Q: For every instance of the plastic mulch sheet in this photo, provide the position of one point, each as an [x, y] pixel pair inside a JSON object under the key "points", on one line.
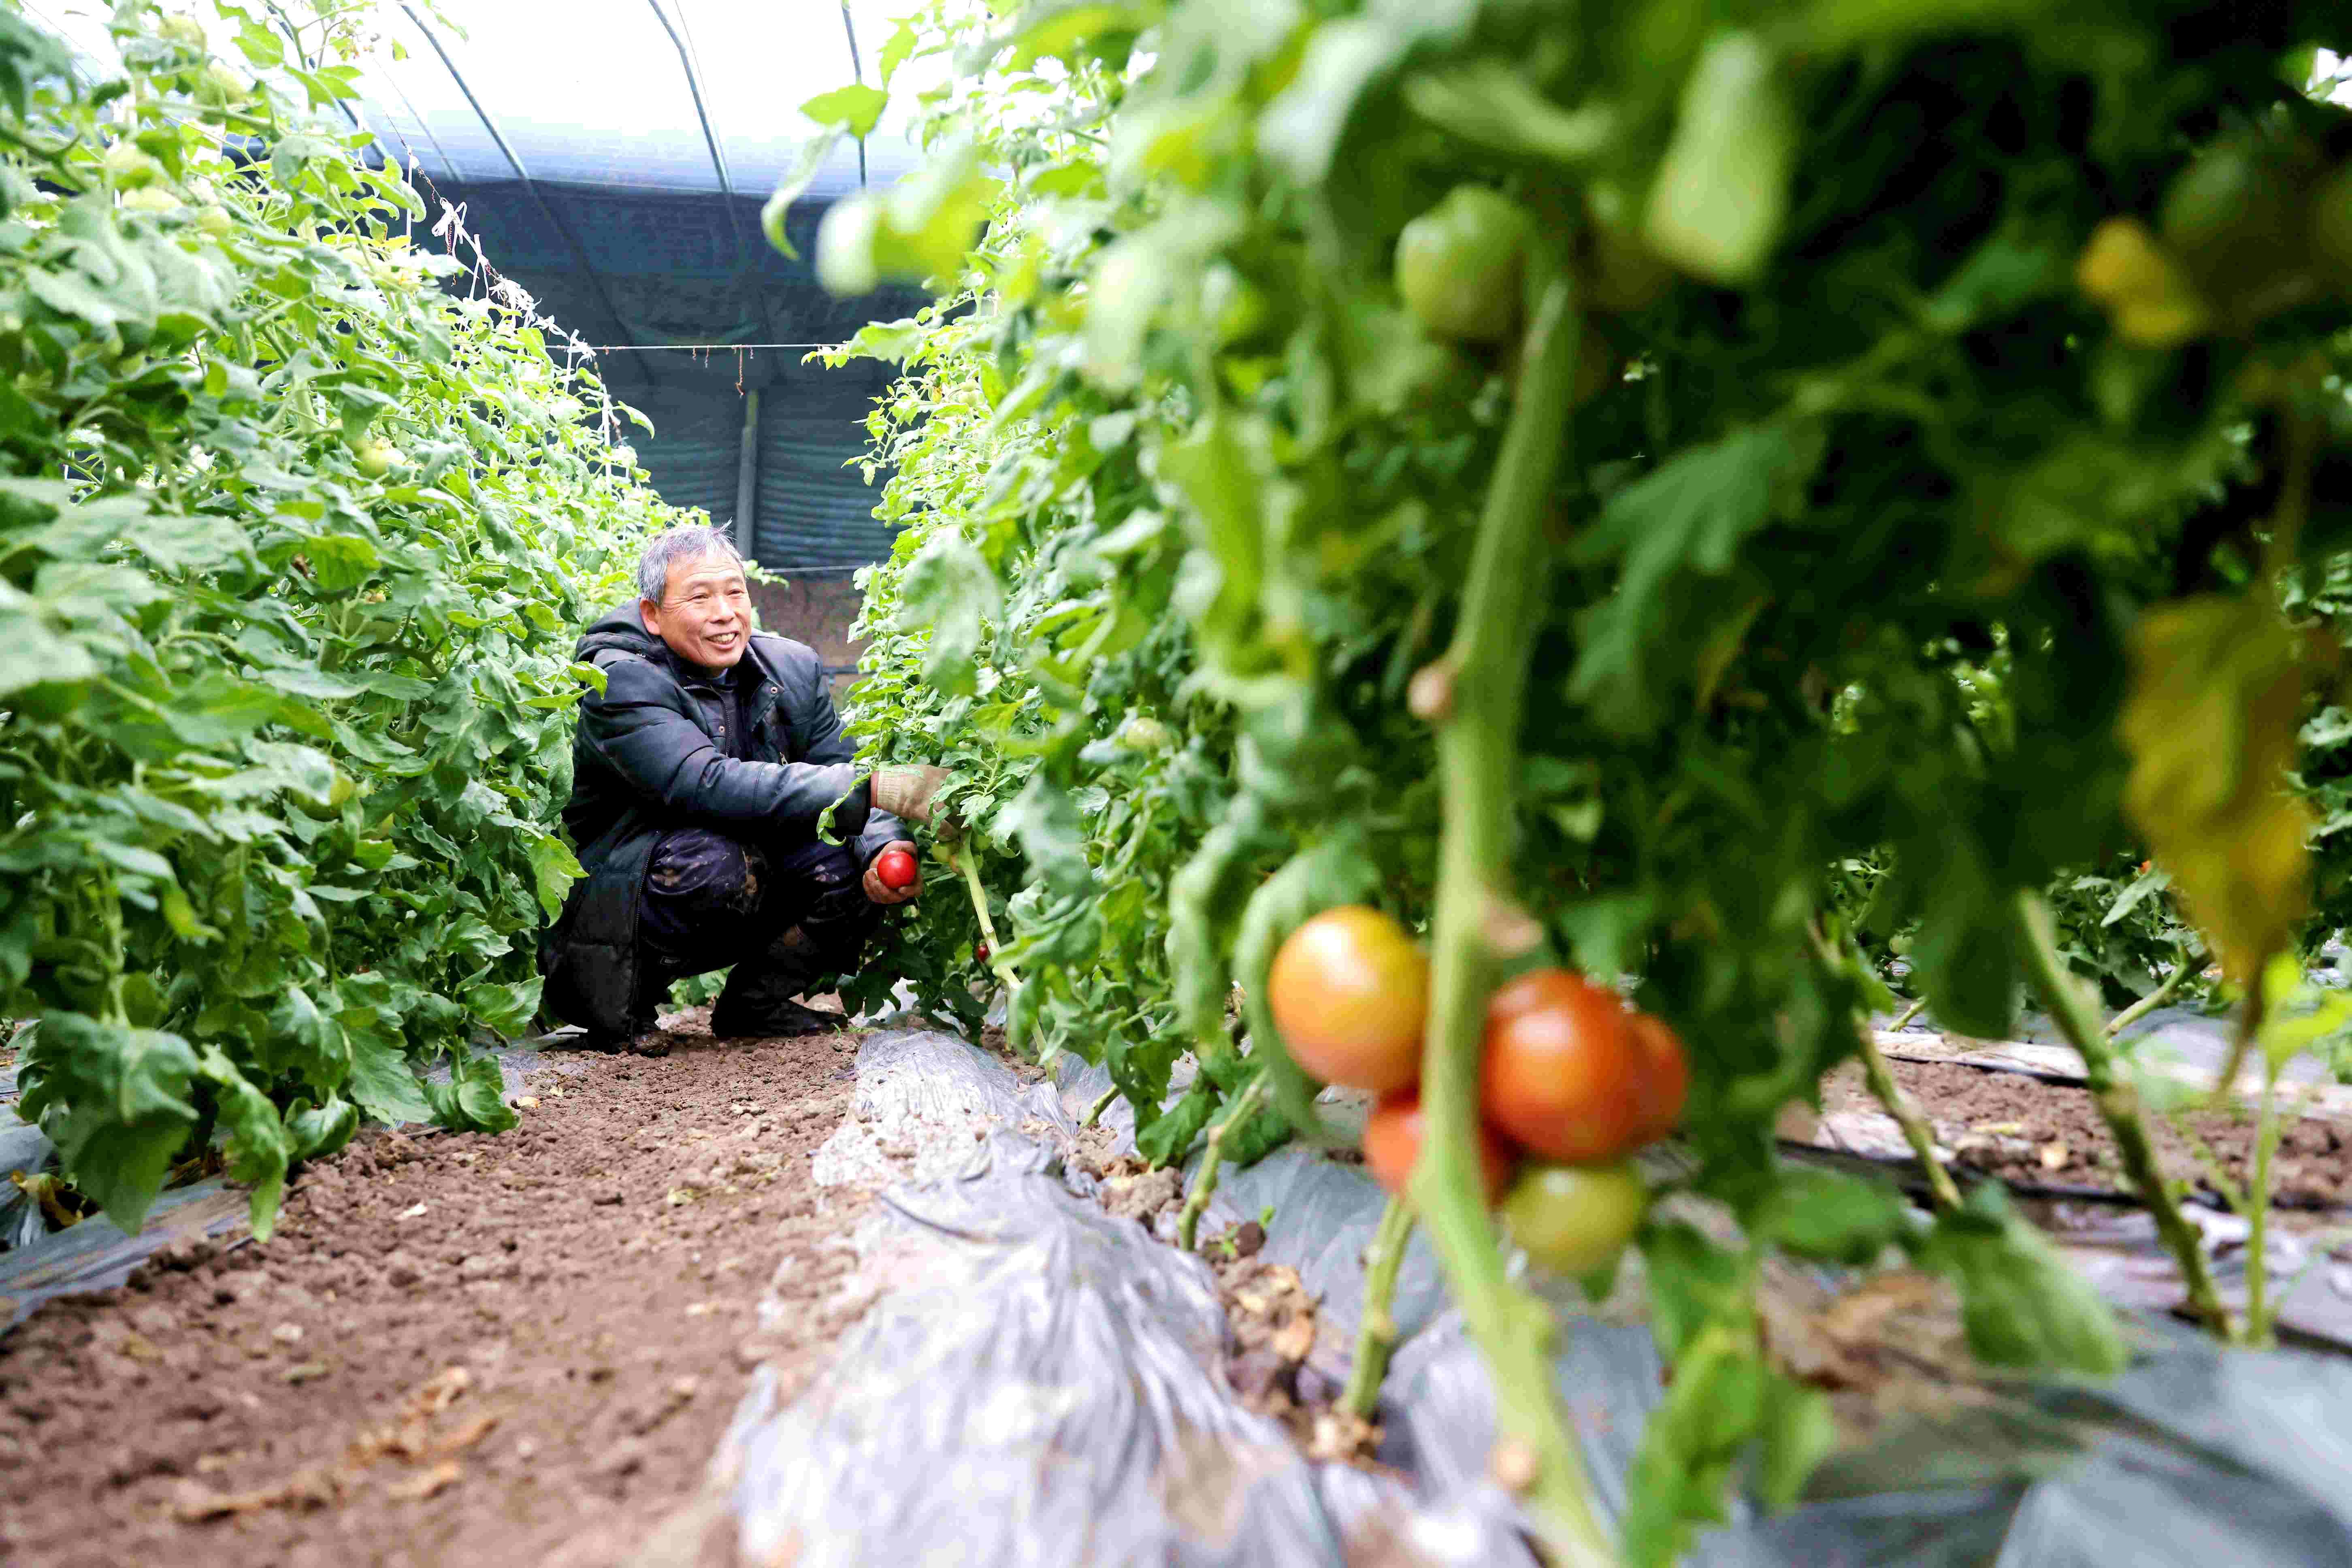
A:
{"points": [[1039, 1381], [97, 1256]]}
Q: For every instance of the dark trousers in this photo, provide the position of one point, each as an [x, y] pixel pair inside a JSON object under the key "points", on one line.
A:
{"points": [[785, 917]]}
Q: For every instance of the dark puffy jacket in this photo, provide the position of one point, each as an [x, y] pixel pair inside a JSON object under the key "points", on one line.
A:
{"points": [[648, 758]]}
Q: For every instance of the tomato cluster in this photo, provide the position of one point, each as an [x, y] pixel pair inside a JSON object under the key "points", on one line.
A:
{"points": [[1571, 1081]]}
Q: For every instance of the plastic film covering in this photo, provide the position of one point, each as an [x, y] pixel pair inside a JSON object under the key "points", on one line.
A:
{"points": [[1039, 1382]]}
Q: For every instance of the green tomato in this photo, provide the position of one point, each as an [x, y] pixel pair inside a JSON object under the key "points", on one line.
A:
{"points": [[374, 458], [1575, 1219], [338, 794], [131, 168], [216, 222], [185, 31], [1144, 734], [1459, 266], [220, 87]]}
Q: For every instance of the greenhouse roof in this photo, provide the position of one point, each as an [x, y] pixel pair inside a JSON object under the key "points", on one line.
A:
{"points": [[685, 96], [611, 157]]}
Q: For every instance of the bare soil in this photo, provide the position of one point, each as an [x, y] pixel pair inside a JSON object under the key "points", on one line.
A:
{"points": [[2031, 1131], [458, 1347]]}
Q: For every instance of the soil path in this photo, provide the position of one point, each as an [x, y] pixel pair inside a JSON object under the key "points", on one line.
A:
{"points": [[515, 1349], [2027, 1131]]}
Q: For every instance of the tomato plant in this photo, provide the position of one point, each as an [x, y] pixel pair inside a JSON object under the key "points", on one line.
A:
{"points": [[1934, 544], [297, 527]]}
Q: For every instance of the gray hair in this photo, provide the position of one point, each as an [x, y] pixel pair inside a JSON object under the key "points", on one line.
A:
{"points": [[687, 541]]}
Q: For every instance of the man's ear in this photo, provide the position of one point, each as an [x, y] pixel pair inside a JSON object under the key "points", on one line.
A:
{"points": [[650, 613]]}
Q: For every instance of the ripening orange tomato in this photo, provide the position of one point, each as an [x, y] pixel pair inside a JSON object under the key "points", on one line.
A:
{"points": [[1349, 989]]}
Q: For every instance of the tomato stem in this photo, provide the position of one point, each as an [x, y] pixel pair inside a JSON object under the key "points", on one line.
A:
{"points": [[2119, 1105], [1483, 679], [1376, 1335], [1205, 1185], [1095, 1115], [2193, 960], [1915, 1131], [969, 866]]}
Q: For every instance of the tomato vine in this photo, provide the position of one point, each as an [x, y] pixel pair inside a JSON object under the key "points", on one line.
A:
{"points": [[299, 516], [1872, 514]]}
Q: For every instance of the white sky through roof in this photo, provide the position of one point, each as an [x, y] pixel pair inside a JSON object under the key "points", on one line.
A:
{"points": [[593, 91]]}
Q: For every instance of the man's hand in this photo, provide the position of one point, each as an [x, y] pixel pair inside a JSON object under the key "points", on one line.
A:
{"points": [[905, 792], [882, 892]]}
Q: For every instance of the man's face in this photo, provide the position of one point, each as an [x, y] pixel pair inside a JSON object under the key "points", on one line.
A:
{"points": [[705, 613]]}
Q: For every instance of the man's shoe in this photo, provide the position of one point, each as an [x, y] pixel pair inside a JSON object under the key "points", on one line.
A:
{"points": [[649, 1041], [779, 1020]]}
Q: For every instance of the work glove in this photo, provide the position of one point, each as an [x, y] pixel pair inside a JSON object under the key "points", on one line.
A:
{"points": [[907, 792]]}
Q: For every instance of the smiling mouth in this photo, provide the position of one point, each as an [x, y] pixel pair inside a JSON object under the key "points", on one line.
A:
{"points": [[724, 639]]}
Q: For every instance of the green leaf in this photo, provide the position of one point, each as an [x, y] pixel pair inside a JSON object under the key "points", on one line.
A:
{"points": [[384, 1083], [919, 229], [2022, 1303], [895, 50], [259, 1144], [505, 1010], [554, 870], [1839, 1219], [472, 1101], [115, 1101], [949, 588], [1168, 1137], [1689, 516], [855, 108]]}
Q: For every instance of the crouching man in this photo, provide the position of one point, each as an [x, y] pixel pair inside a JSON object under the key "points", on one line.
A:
{"points": [[700, 777]]}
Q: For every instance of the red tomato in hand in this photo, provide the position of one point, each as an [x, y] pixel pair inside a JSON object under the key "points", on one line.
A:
{"points": [[1665, 1077], [1562, 1075], [1348, 991], [896, 867], [1393, 1135]]}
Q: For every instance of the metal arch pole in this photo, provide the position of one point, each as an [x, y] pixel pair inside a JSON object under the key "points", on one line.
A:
{"points": [[857, 73], [747, 477], [531, 186], [718, 163]]}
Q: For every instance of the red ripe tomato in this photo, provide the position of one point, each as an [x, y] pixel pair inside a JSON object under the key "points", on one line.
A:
{"points": [[1348, 991], [1665, 1077], [896, 867], [1563, 1075], [980, 952], [1393, 1135]]}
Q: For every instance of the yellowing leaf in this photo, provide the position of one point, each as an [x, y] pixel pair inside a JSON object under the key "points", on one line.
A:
{"points": [[2210, 722]]}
